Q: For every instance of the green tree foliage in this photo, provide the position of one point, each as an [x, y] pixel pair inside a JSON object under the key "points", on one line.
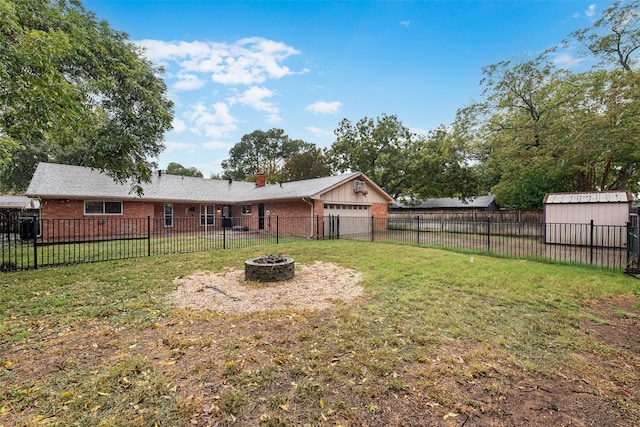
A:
{"points": [[513, 131], [615, 36], [73, 90], [308, 164], [440, 166], [403, 163], [262, 151], [541, 129], [378, 148], [174, 168]]}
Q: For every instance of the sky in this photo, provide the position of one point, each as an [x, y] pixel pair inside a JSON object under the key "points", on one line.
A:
{"points": [[233, 67]]}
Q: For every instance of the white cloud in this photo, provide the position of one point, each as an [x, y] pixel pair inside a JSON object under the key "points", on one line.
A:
{"points": [[566, 60], [591, 11], [178, 125], [254, 97], [159, 51], [319, 132], [405, 23], [247, 61], [322, 107], [187, 82], [171, 146], [273, 119], [216, 124], [216, 145], [419, 131]]}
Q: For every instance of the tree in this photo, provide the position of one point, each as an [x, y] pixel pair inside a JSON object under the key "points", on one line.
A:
{"points": [[309, 164], [73, 90], [262, 151], [174, 168], [615, 36], [377, 148], [440, 167], [519, 129]]}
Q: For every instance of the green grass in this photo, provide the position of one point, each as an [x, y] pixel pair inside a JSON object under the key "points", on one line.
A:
{"points": [[417, 301]]}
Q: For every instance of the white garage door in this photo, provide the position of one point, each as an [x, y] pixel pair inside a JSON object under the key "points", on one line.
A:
{"points": [[353, 218]]}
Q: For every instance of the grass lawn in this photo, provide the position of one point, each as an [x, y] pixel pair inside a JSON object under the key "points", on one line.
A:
{"points": [[437, 338]]}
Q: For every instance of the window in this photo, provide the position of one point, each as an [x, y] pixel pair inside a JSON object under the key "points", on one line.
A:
{"points": [[246, 209], [207, 215], [168, 215], [93, 207]]}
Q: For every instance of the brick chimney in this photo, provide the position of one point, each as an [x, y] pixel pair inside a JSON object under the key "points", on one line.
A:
{"points": [[260, 179]]}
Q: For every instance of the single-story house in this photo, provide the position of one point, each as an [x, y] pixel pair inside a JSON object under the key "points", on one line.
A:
{"points": [[448, 204], [183, 203]]}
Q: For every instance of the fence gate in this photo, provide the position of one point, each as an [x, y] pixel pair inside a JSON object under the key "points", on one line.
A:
{"points": [[633, 246], [332, 227]]}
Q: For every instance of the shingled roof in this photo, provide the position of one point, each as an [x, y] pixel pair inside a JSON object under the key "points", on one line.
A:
{"points": [[76, 182], [478, 202]]}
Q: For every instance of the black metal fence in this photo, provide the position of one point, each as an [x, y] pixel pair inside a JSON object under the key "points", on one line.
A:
{"points": [[30, 242]]}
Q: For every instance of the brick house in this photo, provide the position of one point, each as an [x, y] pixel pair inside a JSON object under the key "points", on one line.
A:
{"points": [[181, 204]]}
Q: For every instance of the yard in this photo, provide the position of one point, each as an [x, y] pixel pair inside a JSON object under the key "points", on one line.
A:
{"points": [[366, 334]]}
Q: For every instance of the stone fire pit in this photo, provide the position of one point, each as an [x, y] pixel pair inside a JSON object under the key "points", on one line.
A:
{"points": [[272, 268]]}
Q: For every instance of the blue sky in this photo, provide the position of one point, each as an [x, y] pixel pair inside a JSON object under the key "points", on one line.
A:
{"points": [[238, 66]]}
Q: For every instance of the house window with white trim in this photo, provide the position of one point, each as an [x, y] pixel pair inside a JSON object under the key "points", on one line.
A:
{"points": [[207, 215], [98, 207], [168, 215], [246, 209]]}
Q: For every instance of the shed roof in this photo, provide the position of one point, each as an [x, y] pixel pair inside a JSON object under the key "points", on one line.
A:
{"points": [[52, 180], [588, 197], [18, 202]]}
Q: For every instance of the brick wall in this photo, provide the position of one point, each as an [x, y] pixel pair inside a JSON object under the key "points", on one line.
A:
{"points": [[65, 220], [380, 211], [295, 218]]}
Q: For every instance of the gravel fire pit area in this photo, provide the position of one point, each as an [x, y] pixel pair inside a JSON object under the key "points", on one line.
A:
{"points": [[314, 286]]}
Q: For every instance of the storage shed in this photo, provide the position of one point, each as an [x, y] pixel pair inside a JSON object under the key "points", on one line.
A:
{"points": [[585, 218]]}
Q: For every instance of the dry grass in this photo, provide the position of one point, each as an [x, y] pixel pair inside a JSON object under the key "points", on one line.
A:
{"points": [[435, 339]]}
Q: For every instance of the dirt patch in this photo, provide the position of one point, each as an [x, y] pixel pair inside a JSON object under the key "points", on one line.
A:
{"points": [[615, 323], [314, 286], [264, 344]]}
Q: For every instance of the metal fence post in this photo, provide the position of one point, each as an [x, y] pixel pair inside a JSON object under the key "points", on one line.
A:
{"points": [[373, 228], [317, 227], [488, 234], [35, 242], [418, 230], [148, 235], [591, 242], [277, 229], [224, 233]]}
